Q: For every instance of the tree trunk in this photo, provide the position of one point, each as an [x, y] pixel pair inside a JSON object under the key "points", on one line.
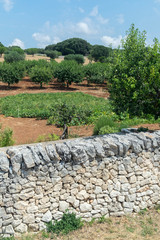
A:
{"points": [[65, 132]]}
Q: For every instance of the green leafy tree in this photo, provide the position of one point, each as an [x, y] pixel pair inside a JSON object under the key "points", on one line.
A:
{"points": [[10, 73], [31, 51], [99, 51], [77, 57], [96, 72], [135, 83], [40, 75], [71, 46], [68, 72], [13, 56], [2, 50], [52, 54]]}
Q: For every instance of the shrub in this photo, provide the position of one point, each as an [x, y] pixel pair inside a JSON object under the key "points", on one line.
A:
{"points": [[104, 123], [6, 137], [76, 57], [13, 56], [68, 223]]}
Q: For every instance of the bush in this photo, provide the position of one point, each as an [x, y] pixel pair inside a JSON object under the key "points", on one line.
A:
{"points": [[6, 137], [104, 125], [95, 72], [52, 54], [76, 57], [13, 56], [68, 223]]}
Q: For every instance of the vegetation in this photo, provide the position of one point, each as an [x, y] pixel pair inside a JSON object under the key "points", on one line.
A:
{"points": [[40, 75], [68, 71], [71, 46], [99, 51], [135, 81], [6, 137], [68, 223], [42, 106], [11, 73], [76, 57]]}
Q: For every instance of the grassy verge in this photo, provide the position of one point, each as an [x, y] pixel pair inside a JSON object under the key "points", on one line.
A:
{"points": [[141, 226]]}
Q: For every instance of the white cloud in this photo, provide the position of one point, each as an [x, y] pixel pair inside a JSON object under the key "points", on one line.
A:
{"points": [[7, 4], [17, 42], [82, 27], [120, 19], [56, 40], [115, 42], [94, 11], [42, 39]]}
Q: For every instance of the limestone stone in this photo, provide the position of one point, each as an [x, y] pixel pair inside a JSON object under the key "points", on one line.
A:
{"points": [[4, 162], [63, 206], [85, 207], [22, 228], [47, 217]]}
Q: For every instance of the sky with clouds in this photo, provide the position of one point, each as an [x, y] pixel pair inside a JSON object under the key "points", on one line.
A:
{"points": [[38, 23]]}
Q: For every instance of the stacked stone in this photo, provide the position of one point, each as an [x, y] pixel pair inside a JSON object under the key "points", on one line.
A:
{"points": [[106, 175]]}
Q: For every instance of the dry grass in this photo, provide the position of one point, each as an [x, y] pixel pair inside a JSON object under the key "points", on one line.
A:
{"points": [[141, 226]]}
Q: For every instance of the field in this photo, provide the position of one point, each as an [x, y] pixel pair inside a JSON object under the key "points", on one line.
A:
{"points": [[27, 130]]}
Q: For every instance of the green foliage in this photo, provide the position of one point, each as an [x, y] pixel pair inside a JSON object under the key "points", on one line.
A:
{"points": [[40, 75], [6, 137], [29, 64], [39, 105], [13, 56], [135, 83], [68, 223], [52, 54], [99, 51], [96, 72], [47, 138], [31, 51], [11, 73], [105, 125], [2, 50], [71, 46], [76, 57], [68, 72], [66, 114]]}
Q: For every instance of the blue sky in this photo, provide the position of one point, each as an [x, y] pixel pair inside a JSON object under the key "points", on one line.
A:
{"points": [[37, 23]]}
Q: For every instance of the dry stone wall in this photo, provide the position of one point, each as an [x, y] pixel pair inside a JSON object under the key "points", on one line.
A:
{"points": [[106, 175]]}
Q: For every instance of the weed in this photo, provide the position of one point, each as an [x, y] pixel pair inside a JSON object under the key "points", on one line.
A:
{"points": [[6, 137], [92, 221], [150, 221], [49, 137], [102, 219], [130, 229], [68, 223], [45, 234], [147, 230], [157, 207], [143, 211]]}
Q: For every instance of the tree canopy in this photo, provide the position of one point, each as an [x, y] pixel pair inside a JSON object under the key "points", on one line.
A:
{"points": [[135, 82], [71, 46]]}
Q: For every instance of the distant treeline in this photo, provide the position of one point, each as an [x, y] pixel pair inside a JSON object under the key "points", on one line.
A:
{"points": [[66, 47]]}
